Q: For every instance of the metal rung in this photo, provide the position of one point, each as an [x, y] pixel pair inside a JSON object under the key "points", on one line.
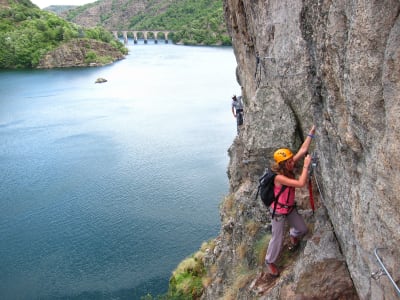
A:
{"points": [[378, 274]]}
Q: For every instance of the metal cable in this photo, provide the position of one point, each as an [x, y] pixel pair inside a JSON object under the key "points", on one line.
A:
{"points": [[385, 270]]}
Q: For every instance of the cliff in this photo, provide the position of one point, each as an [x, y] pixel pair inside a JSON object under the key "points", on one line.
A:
{"points": [[335, 64]]}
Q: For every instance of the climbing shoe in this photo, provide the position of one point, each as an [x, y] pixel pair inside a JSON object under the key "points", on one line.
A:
{"points": [[294, 244], [272, 270]]}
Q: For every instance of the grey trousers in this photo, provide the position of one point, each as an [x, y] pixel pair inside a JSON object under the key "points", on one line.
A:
{"points": [[297, 228]]}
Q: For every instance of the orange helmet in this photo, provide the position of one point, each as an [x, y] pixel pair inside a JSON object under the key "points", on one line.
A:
{"points": [[282, 155]]}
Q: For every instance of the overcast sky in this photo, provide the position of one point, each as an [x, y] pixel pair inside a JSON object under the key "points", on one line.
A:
{"points": [[45, 3]]}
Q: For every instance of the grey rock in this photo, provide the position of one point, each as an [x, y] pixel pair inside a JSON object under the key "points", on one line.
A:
{"points": [[335, 64]]}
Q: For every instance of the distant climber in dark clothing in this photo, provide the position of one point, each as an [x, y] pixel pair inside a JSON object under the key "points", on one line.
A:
{"points": [[257, 73], [237, 110]]}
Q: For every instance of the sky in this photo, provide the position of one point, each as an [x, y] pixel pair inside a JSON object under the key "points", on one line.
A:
{"points": [[45, 3]]}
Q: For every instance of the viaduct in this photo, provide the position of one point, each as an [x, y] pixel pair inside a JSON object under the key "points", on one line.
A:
{"points": [[144, 33]]}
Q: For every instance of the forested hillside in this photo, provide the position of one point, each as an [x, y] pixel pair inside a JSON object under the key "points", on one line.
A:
{"points": [[28, 33], [193, 22]]}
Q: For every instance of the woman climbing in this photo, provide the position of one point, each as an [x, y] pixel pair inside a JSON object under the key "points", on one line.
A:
{"points": [[285, 208]]}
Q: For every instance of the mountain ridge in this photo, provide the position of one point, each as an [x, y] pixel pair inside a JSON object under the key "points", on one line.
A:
{"points": [[193, 23]]}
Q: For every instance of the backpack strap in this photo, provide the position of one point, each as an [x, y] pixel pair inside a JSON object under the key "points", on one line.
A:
{"points": [[283, 188]]}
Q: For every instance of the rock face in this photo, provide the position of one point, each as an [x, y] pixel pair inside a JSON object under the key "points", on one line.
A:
{"points": [[76, 53], [335, 64]]}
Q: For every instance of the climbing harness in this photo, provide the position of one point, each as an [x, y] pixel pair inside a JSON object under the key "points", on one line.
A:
{"points": [[383, 271]]}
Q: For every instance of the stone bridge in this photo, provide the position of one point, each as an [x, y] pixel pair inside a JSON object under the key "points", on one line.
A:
{"points": [[144, 33]]}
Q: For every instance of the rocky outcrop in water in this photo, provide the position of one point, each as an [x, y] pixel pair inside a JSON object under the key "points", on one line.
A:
{"points": [[335, 64], [80, 53], [100, 80]]}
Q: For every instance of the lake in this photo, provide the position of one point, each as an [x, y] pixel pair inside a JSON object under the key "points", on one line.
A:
{"points": [[106, 187]]}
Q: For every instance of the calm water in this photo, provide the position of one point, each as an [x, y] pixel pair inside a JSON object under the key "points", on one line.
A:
{"points": [[105, 188]]}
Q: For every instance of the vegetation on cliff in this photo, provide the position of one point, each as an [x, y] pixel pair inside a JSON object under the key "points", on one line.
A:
{"points": [[28, 33], [189, 278]]}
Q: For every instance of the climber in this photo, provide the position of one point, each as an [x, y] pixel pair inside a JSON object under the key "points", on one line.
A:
{"points": [[286, 208], [237, 110], [257, 74]]}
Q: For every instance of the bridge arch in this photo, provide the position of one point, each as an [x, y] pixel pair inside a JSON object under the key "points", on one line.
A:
{"points": [[144, 33]]}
